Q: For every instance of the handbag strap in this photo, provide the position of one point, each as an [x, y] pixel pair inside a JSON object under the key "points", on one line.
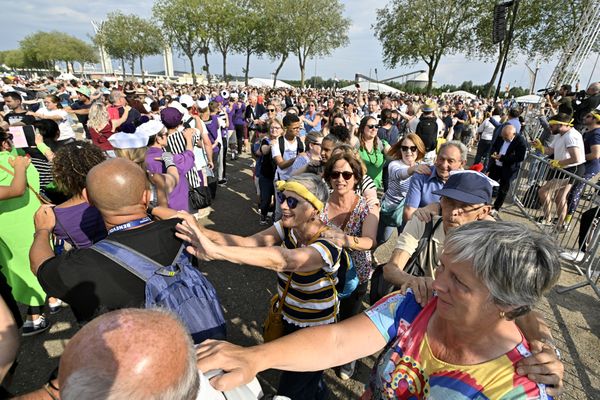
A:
{"points": [[67, 232], [39, 197]]}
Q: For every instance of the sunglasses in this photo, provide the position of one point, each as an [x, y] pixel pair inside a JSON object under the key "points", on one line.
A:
{"points": [[271, 110], [411, 148], [345, 174], [372, 126], [292, 202]]}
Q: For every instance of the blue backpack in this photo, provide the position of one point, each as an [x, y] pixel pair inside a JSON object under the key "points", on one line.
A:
{"points": [[178, 287]]}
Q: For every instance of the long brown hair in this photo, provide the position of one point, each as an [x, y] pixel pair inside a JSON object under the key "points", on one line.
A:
{"points": [[396, 150], [361, 131]]}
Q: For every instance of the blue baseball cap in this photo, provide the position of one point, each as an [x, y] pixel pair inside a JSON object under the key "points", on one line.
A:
{"points": [[470, 187]]}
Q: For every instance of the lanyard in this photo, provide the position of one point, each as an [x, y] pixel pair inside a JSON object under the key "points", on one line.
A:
{"points": [[131, 224]]}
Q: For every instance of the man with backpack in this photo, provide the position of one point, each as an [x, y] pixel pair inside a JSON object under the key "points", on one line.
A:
{"points": [[285, 150], [428, 128], [140, 264]]}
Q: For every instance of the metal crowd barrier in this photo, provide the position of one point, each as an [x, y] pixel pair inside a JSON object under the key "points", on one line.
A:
{"points": [[580, 252]]}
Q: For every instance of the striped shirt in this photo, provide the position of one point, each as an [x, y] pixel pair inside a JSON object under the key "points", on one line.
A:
{"points": [[176, 145], [311, 298]]}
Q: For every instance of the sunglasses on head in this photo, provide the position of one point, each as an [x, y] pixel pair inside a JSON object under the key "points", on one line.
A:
{"points": [[411, 148], [372, 126], [345, 174], [292, 202]]}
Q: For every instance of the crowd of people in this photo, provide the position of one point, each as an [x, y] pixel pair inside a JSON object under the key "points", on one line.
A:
{"points": [[112, 219]]}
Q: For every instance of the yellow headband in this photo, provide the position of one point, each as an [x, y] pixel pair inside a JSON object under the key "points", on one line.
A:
{"points": [[555, 122], [299, 189], [596, 115]]}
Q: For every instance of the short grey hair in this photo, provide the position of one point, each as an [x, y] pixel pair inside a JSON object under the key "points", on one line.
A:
{"points": [[99, 384], [114, 96], [464, 152], [333, 139], [314, 184], [516, 264]]}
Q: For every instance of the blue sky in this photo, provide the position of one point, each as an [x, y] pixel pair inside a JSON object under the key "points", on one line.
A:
{"points": [[362, 55]]}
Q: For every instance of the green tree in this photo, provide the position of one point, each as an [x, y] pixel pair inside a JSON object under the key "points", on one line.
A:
{"points": [[114, 35], [252, 28], [423, 30], [277, 41], [147, 42], [541, 30], [184, 23], [317, 28], [13, 58], [223, 27]]}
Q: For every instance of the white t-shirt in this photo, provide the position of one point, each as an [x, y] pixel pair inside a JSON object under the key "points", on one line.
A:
{"points": [[290, 150], [570, 139], [66, 131], [486, 129]]}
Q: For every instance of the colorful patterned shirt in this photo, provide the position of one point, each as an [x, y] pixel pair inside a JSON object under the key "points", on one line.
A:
{"points": [[407, 368]]}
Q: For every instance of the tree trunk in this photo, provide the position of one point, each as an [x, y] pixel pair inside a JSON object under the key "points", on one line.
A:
{"points": [[496, 69], [430, 75], [191, 58], [279, 69], [142, 69], [247, 70], [205, 52], [132, 65], [302, 65], [123, 69], [224, 53]]}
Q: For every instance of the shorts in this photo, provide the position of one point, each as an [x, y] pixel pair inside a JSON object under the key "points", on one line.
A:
{"points": [[578, 170]]}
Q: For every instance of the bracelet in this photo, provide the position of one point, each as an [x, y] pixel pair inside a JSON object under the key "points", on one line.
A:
{"points": [[552, 344], [41, 230], [47, 389]]}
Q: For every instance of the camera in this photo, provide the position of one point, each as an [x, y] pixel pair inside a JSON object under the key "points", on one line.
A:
{"points": [[581, 95], [547, 92]]}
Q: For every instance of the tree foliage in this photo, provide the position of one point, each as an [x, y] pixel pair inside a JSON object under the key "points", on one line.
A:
{"points": [[44, 49], [424, 30], [223, 27], [185, 25], [253, 29]]}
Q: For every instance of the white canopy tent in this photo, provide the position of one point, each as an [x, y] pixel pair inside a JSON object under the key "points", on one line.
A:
{"points": [[460, 93], [529, 99], [366, 85], [66, 76], [264, 82]]}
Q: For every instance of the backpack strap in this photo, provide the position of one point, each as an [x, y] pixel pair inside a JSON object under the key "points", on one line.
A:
{"points": [[281, 143], [135, 262], [299, 146]]}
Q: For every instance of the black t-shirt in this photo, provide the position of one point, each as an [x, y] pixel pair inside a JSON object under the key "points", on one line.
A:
{"points": [[13, 118], [267, 167], [93, 284], [80, 105]]}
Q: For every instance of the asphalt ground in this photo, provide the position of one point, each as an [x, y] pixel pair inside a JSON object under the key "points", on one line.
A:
{"points": [[245, 292]]}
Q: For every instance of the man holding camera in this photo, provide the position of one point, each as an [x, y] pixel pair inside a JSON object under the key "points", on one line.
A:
{"points": [[564, 104], [589, 103]]}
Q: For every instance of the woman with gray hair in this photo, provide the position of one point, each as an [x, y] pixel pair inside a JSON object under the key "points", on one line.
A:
{"points": [[462, 344], [306, 264]]}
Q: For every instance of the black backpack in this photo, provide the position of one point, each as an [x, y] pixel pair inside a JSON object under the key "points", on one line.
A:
{"points": [[427, 130], [380, 287], [281, 143]]}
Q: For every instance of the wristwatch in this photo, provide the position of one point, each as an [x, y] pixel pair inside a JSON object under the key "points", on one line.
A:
{"points": [[550, 342]]}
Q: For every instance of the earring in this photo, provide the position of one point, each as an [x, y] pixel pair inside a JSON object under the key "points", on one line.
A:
{"points": [[502, 314]]}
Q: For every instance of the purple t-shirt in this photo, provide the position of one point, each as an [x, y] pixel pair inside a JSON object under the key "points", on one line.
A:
{"points": [[81, 225], [178, 198], [239, 109]]}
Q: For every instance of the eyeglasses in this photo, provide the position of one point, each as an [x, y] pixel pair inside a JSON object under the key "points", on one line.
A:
{"points": [[311, 105], [315, 143], [270, 109], [292, 202], [407, 148], [345, 174], [372, 126]]}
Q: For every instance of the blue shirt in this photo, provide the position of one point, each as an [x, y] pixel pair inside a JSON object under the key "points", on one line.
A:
{"points": [[420, 191]]}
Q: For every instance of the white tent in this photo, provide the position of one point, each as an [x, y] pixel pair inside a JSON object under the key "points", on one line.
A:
{"points": [[263, 82], [366, 85], [66, 76], [460, 93], [529, 99]]}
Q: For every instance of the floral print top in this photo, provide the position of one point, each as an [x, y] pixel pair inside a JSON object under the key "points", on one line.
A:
{"points": [[360, 258]]}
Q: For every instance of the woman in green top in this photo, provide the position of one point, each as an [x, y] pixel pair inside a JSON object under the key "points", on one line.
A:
{"points": [[16, 237], [372, 149]]}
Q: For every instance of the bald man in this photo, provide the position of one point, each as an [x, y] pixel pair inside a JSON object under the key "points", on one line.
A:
{"points": [[133, 354], [90, 282], [507, 153]]}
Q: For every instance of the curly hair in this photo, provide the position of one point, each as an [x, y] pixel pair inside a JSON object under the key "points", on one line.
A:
{"points": [[71, 164]]}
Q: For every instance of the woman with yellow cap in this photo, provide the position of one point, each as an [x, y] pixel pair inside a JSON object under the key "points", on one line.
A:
{"points": [[306, 265]]}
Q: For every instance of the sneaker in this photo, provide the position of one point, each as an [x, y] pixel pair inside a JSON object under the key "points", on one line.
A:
{"points": [[222, 182], [575, 256], [31, 328], [494, 213], [347, 370], [263, 220], [55, 308], [543, 221]]}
